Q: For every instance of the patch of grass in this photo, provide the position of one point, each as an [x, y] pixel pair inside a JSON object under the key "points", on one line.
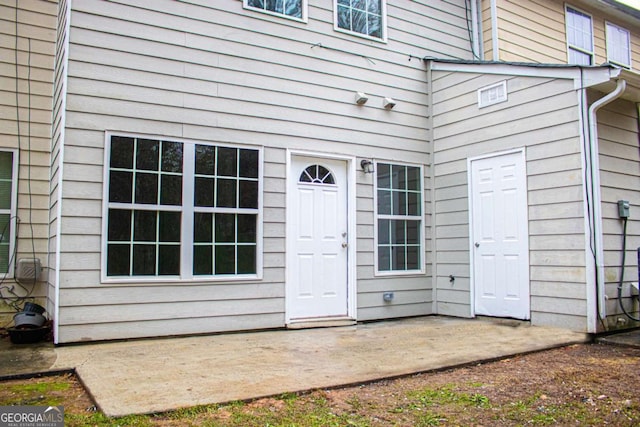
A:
{"points": [[39, 387], [97, 419], [355, 403], [475, 384], [428, 419], [190, 413], [427, 406], [446, 395], [40, 393]]}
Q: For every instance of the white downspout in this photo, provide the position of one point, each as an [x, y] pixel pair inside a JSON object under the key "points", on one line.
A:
{"points": [[432, 189], [596, 201], [494, 31]]}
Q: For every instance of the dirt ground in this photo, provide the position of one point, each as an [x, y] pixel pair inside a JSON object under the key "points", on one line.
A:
{"points": [[577, 385]]}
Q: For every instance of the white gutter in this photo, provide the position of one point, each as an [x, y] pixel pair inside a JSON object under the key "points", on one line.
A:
{"points": [[432, 189], [596, 201], [494, 31]]}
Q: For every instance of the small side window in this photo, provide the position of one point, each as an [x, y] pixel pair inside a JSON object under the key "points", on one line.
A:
{"points": [[579, 37], [8, 192], [293, 9], [618, 46], [366, 18]]}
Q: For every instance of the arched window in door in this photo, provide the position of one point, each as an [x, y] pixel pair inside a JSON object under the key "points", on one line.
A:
{"points": [[317, 174]]}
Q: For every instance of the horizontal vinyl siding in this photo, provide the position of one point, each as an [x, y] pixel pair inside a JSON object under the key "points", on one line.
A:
{"points": [[619, 180], [486, 28], [532, 31], [28, 34], [535, 31], [540, 115], [208, 71]]}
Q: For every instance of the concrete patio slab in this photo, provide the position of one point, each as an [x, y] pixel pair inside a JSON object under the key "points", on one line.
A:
{"points": [[163, 374], [629, 338]]}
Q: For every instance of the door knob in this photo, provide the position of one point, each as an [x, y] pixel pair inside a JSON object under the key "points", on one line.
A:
{"points": [[345, 244], [477, 245]]}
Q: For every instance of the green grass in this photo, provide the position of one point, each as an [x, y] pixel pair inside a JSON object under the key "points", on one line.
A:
{"points": [[447, 395], [36, 394], [459, 403], [426, 407]]}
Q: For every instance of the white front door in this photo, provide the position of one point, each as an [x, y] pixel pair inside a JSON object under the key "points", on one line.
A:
{"points": [[500, 236], [317, 262]]}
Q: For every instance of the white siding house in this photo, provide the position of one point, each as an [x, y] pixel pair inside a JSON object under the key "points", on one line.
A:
{"points": [[278, 89], [223, 166], [554, 239]]}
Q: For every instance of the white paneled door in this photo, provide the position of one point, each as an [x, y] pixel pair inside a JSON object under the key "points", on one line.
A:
{"points": [[317, 262], [500, 236]]}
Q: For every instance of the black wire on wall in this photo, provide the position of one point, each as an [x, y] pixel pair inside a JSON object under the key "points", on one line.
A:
{"points": [[14, 299]]}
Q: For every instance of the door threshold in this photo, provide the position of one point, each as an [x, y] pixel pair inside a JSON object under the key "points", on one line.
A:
{"points": [[320, 323]]}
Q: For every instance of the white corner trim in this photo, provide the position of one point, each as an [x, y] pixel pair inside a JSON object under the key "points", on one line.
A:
{"points": [[63, 120], [495, 46]]}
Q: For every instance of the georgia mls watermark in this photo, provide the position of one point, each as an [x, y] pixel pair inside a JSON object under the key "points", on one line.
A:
{"points": [[31, 416]]}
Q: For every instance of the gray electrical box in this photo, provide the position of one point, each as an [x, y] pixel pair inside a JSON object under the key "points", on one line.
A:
{"points": [[28, 270], [623, 208]]}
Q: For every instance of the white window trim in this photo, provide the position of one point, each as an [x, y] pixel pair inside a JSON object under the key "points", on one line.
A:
{"points": [[13, 215], [387, 273], [576, 48], [383, 10], [305, 8], [186, 251], [498, 100], [608, 24]]}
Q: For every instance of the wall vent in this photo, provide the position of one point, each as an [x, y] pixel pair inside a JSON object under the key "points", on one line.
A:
{"points": [[493, 94], [28, 269]]}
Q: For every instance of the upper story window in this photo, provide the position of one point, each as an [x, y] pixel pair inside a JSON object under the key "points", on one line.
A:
{"points": [[295, 9], [362, 17], [399, 219], [618, 45], [181, 210], [579, 37]]}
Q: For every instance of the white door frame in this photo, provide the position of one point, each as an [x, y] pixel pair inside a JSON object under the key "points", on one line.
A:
{"points": [[351, 228], [472, 287]]}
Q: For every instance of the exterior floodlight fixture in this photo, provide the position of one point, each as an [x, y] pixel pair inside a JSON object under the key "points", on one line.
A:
{"points": [[388, 103], [367, 166], [361, 98]]}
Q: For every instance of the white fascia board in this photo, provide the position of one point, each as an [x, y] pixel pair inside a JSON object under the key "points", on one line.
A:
{"points": [[595, 76], [505, 69], [582, 76]]}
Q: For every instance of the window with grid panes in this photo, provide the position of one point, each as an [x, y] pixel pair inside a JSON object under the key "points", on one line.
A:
{"points": [[365, 17], [618, 45], [399, 218], [181, 209], [8, 187], [579, 37], [288, 8]]}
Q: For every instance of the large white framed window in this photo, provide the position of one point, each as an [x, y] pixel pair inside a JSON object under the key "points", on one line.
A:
{"points": [[618, 45], [180, 210], [579, 37], [8, 198], [399, 219], [366, 18], [293, 9]]}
